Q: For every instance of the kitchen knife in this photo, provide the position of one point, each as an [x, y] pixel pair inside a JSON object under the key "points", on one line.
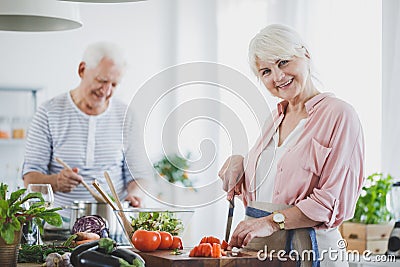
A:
{"points": [[230, 217]]}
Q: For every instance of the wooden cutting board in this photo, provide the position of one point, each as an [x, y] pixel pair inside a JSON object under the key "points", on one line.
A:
{"points": [[163, 258]]}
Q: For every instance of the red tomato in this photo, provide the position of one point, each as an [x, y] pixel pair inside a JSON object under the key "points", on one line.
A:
{"points": [[224, 244], [210, 239], [166, 240], [176, 243], [206, 249], [146, 240], [216, 250], [193, 252]]}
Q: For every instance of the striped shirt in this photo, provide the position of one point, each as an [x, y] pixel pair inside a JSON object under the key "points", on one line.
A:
{"points": [[91, 143]]}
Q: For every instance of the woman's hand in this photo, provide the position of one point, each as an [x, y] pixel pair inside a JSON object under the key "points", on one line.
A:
{"points": [[249, 229], [68, 179], [232, 177]]}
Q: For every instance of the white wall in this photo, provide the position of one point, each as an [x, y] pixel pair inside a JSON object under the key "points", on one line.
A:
{"points": [[391, 92]]}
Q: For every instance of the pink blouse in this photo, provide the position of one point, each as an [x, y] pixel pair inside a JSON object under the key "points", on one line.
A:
{"points": [[322, 174]]}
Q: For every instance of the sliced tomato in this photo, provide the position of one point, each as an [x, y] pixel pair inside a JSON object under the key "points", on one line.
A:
{"points": [[206, 249], [213, 239], [224, 244], [216, 250], [210, 239], [192, 252], [198, 252]]}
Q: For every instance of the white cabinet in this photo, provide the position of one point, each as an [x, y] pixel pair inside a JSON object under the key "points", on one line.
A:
{"points": [[17, 106], [376, 261]]}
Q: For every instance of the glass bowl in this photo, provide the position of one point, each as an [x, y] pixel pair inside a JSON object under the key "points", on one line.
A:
{"points": [[174, 221]]}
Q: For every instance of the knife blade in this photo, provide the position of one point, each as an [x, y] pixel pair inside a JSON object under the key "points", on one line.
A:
{"points": [[230, 217]]}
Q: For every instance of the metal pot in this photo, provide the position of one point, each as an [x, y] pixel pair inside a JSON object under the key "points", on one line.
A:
{"points": [[84, 208]]}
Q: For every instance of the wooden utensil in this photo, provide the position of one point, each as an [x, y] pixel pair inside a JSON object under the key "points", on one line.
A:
{"points": [[91, 191], [104, 194], [112, 188], [125, 222], [127, 225]]}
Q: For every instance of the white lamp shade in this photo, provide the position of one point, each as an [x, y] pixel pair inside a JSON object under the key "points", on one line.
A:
{"points": [[102, 1], [38, 15]]}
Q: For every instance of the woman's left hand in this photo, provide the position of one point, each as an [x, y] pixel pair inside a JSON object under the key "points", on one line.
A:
{"points": [[249, 229]]}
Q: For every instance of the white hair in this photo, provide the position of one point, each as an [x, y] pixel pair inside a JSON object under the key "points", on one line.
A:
{"points": [[95, 52], [273, 43]]}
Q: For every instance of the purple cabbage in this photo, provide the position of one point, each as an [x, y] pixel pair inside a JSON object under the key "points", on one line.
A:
{"points": [[92, 224]]}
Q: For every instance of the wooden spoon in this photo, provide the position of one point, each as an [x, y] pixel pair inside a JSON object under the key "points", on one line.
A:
{"points": [[104, 194], [127, 225], [125, 222]]}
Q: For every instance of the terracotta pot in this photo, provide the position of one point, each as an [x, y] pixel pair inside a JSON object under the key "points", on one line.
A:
{"points": [[9, 252]]}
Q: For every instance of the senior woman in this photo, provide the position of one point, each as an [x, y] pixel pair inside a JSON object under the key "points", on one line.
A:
{"points": [[310, 154]]}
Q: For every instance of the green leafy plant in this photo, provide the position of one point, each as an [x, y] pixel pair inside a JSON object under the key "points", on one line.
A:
{"points": [[158, 221], [13, 212], [371, 207], [174, 169]]}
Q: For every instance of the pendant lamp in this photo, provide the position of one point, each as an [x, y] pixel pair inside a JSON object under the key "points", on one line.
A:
{"points": [[38, 16]]}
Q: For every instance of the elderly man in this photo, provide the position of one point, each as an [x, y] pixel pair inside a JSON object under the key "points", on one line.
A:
{"points": [[83, 127]]}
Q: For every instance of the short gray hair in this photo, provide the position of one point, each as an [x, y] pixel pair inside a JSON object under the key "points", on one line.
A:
{"points": [[275, 42], [95, 52]]}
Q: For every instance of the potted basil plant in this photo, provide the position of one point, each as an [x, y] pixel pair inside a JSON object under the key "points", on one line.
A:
{"points": [[371, 225], [14, 213]]}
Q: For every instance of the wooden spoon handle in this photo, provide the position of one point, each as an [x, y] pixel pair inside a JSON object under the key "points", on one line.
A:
{"points": [[112, 189], [125, 222]]}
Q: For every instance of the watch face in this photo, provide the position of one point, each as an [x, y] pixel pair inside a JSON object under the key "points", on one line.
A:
{"points": [[278, 218]]}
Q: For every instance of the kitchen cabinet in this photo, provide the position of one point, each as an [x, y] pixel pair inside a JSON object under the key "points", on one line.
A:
{"points": [[375, 261], [17, 106]]}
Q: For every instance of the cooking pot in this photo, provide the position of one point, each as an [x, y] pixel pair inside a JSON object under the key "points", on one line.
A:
{"points": [[84, 208]]}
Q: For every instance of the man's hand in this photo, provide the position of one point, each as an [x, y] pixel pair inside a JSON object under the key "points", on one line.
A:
{"points": [[68, 179], [135, 194], [134, 201]]}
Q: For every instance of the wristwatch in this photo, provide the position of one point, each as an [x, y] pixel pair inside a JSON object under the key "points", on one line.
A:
{"points": [[279, 218]]}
